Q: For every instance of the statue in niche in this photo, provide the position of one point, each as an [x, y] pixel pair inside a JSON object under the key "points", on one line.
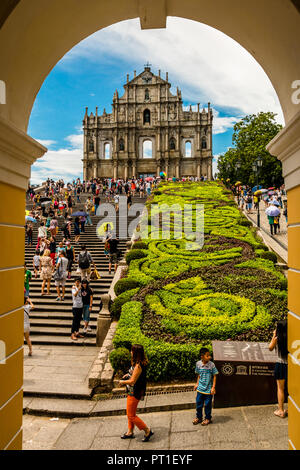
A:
{"points": [[121, 145], [172, 144], [147, 96], [91, 145]]}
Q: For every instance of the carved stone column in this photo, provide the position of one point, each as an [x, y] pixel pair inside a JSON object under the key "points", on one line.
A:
{"points": [[103, 320]]}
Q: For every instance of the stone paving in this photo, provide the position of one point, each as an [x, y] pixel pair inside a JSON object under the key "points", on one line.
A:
{"points": [[282, 236], [278, 243], [62, 370], [244, 428]]}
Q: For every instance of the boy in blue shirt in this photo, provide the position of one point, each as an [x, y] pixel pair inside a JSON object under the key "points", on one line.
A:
{"points": [[206, 387]]}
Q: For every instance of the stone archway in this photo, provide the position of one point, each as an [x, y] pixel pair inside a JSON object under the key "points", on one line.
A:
{"points": [[33, 38]]}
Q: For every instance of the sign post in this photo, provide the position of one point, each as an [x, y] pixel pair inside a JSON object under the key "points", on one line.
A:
{"points": [[246, 374]]}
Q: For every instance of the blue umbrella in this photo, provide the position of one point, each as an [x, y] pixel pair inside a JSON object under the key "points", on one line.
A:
{"points": [[275, 203], [30, 219], [79, 214]]}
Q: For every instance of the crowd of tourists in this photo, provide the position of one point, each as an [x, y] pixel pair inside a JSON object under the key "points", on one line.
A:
{"points": [[275, 203]]}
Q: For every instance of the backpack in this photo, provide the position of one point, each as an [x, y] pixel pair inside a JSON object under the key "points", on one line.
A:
{"points": [[83, 261]]}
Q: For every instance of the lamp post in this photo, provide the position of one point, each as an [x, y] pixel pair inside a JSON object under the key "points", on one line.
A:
{"points": [[256, 166], [238, 167]]}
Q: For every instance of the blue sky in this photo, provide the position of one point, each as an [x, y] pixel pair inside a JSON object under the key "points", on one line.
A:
{"points": [[204, 63]]}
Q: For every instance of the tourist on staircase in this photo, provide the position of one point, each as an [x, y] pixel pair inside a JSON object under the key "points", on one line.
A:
{"points": [[84, 263], [28, 305], [113, 252], [70, 255], [87, 300], [88, 209], [76, 309], [60, 275], [77, 230], [46, 271]]}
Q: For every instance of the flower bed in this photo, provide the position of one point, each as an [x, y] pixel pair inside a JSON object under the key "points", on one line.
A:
{"points": [[183, 297]]}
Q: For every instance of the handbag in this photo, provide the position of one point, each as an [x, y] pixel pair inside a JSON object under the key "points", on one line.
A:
{"points": [[57, 275], [95, 274]]}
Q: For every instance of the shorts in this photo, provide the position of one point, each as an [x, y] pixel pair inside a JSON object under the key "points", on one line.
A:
{"points": [[280, 372], [60, 282], [113, 258], [86, 313]]}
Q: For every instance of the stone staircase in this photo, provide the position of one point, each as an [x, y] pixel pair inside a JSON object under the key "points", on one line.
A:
{"points": [[51, 320]]}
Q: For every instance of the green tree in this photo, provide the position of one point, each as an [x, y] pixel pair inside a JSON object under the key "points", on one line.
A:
{"points": [[250, 137]]}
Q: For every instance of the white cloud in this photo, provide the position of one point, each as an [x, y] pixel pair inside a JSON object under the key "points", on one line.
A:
{"points": [[222, 124], [208, 65], [215, 164], [63, 163], [46, 143]]}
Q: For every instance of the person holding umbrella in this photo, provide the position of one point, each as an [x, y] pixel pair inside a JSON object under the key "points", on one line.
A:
{"points": [[273, 213]]}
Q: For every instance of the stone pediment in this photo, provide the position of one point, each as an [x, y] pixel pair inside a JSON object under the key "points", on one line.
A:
{"points": [[147, 78]]}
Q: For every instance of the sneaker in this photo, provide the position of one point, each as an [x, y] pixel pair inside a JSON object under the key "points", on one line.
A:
{"points": [[89, 330], [84, 330], [57, 299]]}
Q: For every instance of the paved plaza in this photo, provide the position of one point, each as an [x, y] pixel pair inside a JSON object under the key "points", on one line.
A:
{"points": [[59, 370], [244, 428]]}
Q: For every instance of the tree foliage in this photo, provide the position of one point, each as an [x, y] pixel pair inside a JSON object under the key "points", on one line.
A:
{"points": [[250, 138]]}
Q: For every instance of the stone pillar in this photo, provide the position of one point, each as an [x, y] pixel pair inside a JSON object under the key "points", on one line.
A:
{"points": [[286, 146], [126, 171], [18, 152], [198, 169], [134, 168], [103, 320], [177, 169], [95, 173]]}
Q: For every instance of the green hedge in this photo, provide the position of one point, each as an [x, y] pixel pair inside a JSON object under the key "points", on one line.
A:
{"points": [[166, 361], [120, 359], [229, 288], [135, 254], [120, 301], [126, 284]]}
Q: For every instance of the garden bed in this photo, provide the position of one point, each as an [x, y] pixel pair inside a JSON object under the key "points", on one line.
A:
{"points": [[177, 297]]}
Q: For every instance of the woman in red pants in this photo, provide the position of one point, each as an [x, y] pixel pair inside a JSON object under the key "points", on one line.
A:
{"points": [[135, 382]]}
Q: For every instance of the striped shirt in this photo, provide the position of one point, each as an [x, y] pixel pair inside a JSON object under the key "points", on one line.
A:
{"points": [[206, 373]]}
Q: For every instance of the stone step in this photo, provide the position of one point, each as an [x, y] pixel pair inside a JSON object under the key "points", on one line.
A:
{"points": [[52, 330], [61, 340], [44, 317]]}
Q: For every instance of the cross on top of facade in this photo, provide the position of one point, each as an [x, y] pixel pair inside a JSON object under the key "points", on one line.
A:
{"points": [[148, 65]]}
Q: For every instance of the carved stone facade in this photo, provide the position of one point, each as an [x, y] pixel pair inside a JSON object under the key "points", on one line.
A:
{"points": [[148, 132]]}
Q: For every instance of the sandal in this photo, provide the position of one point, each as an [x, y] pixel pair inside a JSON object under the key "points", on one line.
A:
{"points": [[146, 438], [197, 421], [280, 414], [128, 436], [206, 422]]}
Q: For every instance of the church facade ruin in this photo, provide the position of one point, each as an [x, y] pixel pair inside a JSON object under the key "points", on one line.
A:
{"points": [[148, 132]]}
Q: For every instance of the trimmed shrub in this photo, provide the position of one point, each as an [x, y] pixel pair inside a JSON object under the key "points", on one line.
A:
{"points": [[125, 284], [269, 255], [139, 246], [135, 254], [245, 223], [120, 301], [120, 359]]}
